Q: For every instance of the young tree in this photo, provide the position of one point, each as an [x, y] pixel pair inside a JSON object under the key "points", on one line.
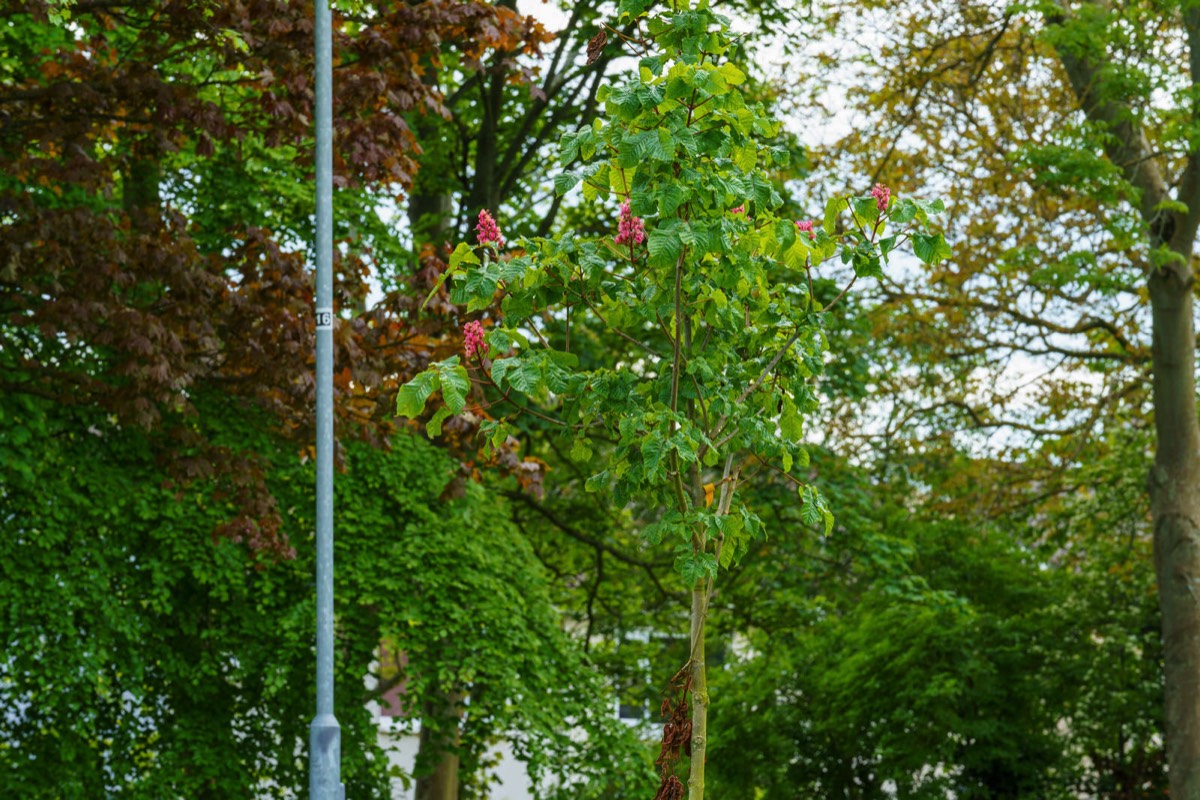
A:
{"points": [[709, 286]]}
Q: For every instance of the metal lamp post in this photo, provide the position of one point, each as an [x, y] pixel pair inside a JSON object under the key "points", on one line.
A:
{"points": [[325, 735]]}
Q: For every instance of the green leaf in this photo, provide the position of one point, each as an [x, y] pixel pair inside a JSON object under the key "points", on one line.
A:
{"points": [[937, 207], [797, 255], [746, 156], [597, 483], [455, 384], [931, 249], [664, 246], [866, 212], [833, 207], [904, 211], [671, 197], [695, 566], [525, 376], [810, 512], [653, 451], [728, 551], [790, 423], [568, 147], [815, 511], [648, 145], [652, 63], [581, 450], [437, 285], [410, 400], [866, 265], [732, 75], [665, 528], [434, 426], [565, 182], [463, 254], [596, 183]]}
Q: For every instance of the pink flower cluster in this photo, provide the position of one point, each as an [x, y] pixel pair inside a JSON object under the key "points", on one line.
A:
{"points": [[629, 227], [473, 339], [806, 226], [881, 194], [488, 232], [738, 209]]}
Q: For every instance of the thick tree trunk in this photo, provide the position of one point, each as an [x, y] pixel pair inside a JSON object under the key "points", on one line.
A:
{"points": [[1175, 505], [141, 196], [429, 214], [437, 746], [442, 784], [485, 190]]}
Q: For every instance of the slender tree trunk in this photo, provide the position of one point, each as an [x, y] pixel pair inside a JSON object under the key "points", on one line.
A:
{"points": [[699, 692]]}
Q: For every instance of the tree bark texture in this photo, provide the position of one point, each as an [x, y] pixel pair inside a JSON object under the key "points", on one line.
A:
{"points": [[699, 692], [1175, 507], [442, 784]]}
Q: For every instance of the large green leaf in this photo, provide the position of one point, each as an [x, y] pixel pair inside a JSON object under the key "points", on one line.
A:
{"points": [[455, 384], [410, 400], [664, 246], [930, 248], [695, 566]]}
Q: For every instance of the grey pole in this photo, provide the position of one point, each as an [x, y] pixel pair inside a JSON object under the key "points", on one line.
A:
{"points": [[325, 735]]}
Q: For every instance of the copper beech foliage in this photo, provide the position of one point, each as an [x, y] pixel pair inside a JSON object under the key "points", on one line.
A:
{"points": [[108, 297]]}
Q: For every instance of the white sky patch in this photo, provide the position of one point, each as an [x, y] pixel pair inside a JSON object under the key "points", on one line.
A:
{"points": [[549, 14]]}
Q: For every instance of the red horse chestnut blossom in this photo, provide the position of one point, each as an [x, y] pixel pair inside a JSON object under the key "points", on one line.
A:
{"points": [[806, 226], [881, 194], [488, 232], [629, 227], [473, 339]]}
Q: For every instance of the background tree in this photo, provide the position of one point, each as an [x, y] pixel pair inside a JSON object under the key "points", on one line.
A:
{"points": [[184, 663], [153, 211], [920, 652], [1065, 135]]}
